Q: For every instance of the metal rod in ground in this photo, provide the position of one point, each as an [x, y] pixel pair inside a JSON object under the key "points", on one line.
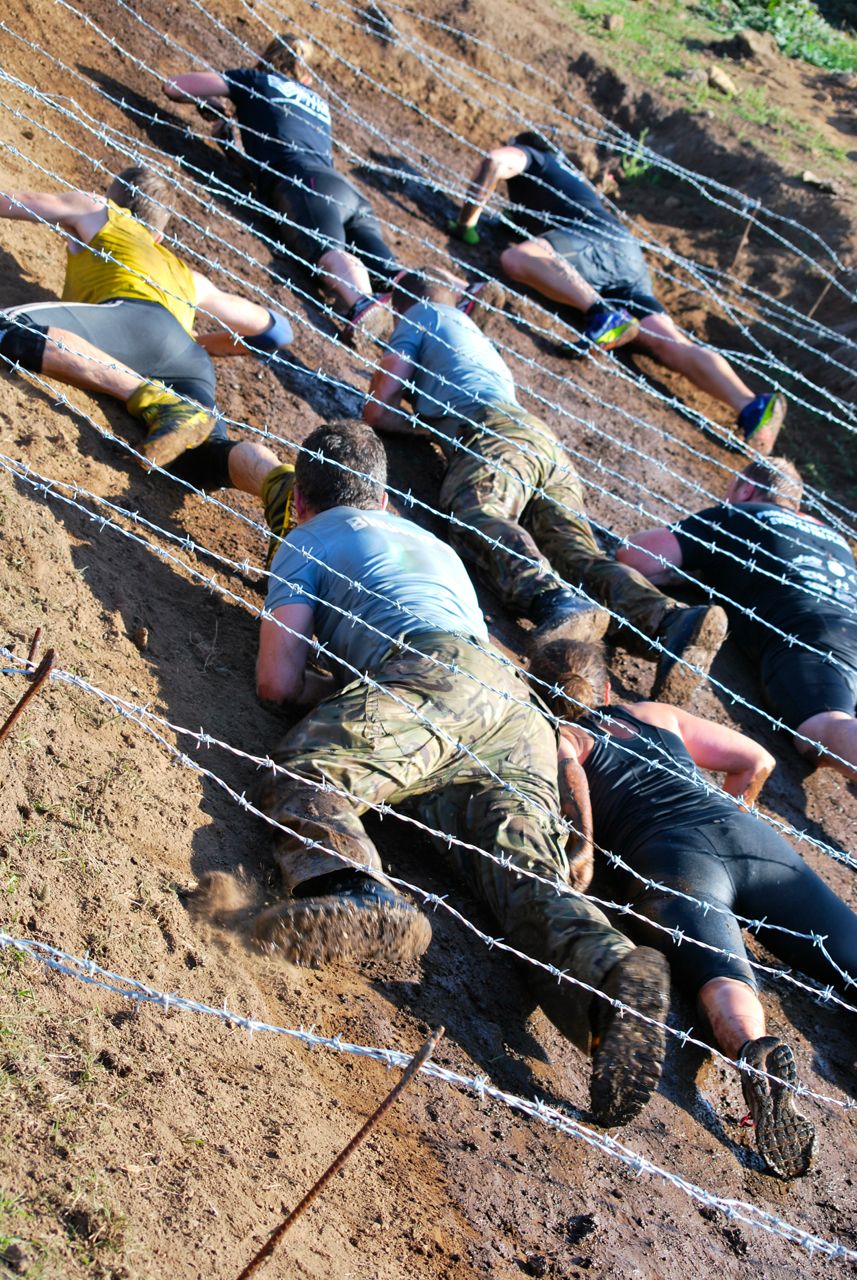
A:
{"points": [[742, 243], [819, 300], [39, 677], [34, 646], [418, 1060]]}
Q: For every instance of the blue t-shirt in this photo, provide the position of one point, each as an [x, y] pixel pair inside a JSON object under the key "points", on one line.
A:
{"points": [[386, 572], [458, 370], [293, 118]]}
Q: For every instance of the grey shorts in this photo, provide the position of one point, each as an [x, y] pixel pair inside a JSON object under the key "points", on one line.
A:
{"points": [[612, 263]]}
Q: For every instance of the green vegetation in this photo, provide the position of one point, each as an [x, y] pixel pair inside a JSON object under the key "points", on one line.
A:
{"points": [[665, 45], [796, 25]]}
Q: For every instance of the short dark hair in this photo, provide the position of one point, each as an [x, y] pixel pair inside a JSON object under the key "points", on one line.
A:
{"points": [[341, 464], [778, 478], [538, 141], [144, 193], [414, 287], [287, 53], [575, 673]]}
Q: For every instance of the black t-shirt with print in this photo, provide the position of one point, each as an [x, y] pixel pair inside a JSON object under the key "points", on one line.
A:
{"points": [[785, 565], [293, 119]]}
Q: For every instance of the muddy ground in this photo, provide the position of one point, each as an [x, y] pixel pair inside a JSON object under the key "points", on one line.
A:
{"points": [[143, 1143]]}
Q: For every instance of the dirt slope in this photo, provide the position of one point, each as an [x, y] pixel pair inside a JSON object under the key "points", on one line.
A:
{"points": [[144, 1143]]}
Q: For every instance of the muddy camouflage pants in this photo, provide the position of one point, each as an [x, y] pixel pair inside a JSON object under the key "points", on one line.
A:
{"points": [[413, 740], [489, 487]]}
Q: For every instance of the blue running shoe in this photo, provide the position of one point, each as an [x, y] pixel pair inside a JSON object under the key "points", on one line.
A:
{"points": [[610, 327], [760, 421]]}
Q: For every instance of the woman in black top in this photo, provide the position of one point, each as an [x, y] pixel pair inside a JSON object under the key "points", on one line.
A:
{"points": [[630, 778]]}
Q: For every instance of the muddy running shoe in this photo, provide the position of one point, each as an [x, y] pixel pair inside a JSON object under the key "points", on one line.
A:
{"points": [[172, 424], [785, 1139], [369, 322], [482, 300], [761, 421], [562, 614], [627, 1052], [693, 635], [278, 500], [345, 916], [610, 327]]}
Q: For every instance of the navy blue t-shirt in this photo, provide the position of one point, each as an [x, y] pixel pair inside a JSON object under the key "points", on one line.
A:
{"points": [[553, 194], [814, 582], [294, 119]]}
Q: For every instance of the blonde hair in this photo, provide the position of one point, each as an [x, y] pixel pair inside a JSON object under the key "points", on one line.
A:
{"points": [[288, 53], [576, 673], [143, 193]]}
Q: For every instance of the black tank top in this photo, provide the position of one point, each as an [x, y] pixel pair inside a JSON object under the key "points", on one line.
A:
{"points": [[643, 785]]}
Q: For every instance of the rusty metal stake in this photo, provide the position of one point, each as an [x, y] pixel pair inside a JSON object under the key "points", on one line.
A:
{"points": [[819, 300], [34, 646], [418, 1060], [40, 675], [742, 243]]}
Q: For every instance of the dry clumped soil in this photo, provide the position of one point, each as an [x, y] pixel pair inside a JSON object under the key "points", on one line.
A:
{"points": [[139, 1142]]}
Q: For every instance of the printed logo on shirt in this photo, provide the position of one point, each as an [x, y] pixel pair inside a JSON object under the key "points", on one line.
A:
{"points": [[291, 93]]}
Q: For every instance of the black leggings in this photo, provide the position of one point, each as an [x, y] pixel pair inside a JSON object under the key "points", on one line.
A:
{"points": [[148, 339], [738, 864], [327, 205]]}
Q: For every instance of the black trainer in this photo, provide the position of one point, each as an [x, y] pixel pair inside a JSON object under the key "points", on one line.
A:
{"points": [[346, 916], [785, 1139], [628, 1052], [694, 635], [561, 613]]}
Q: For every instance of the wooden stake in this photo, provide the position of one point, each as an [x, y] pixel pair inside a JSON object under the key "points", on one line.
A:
{"points": [[418, 1060], [742, 243]]}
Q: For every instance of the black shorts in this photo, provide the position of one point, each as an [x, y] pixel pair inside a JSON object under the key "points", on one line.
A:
{"points": [[737, 864], [612, 263], [797, 685], [329, 213], [148, 339]]}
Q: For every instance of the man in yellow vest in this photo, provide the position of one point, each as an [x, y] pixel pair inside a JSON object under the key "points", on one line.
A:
{"points": [[124, 328]]}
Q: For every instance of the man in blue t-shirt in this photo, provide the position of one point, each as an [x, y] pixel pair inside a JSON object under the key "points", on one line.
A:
{"points": [[423, 710], [286, 135], [515, 501], [789, 585], [580, 254]]}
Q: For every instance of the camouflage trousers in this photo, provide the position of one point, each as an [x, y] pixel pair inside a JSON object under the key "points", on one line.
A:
{"points": [[468, 762], [489, 486]]}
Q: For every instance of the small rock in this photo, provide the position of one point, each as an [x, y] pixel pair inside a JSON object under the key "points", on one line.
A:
{"points": [[719, 80], [614, 23], [140, 636], [15, 1258], [698, 75], [813, 180], [672, 202], [536, 1265], [753, 46]]}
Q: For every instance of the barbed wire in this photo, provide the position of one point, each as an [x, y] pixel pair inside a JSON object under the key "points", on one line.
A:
{"points": [[84, 969], [511, 352], [605, 492]]}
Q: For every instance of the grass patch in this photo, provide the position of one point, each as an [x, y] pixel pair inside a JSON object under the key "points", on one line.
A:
{"points": [[662, 45], [797, 26]]}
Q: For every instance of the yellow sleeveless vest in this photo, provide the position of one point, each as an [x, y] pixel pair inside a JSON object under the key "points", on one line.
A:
{"points": [[136, 267]]}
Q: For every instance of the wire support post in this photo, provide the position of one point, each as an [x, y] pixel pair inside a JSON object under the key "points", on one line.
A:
{"points": [[419, 1060], [39, 677]]}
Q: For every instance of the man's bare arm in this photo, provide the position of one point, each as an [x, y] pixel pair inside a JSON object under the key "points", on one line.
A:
{"points": [[66, 209], [498, 166], [282, 658], [382, 410], [239, 315], [653, 553], [191, 85]]}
